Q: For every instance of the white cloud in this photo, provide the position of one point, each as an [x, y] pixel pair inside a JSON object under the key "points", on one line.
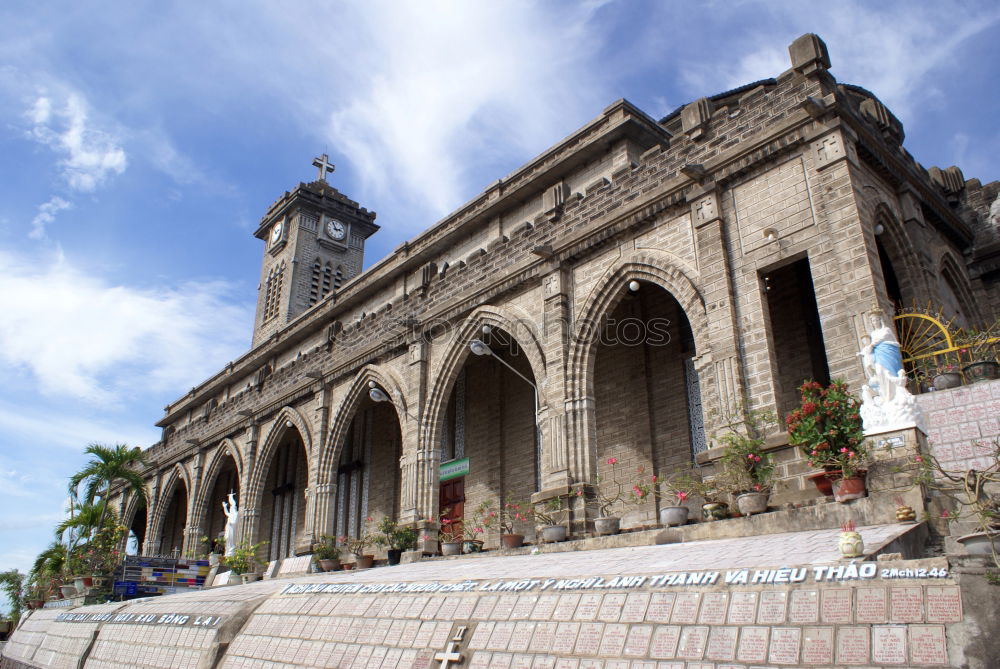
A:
{"points": [[83, 337], [47, 214], [88, 154]]}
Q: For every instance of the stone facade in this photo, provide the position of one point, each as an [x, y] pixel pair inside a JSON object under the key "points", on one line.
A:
{"points": [[647, 278]]}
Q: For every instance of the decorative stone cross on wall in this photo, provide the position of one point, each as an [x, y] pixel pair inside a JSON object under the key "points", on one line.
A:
{"points": [[451, 654], [324, 165]]}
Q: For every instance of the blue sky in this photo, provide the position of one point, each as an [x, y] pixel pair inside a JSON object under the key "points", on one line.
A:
{"points": [[141, 142]]}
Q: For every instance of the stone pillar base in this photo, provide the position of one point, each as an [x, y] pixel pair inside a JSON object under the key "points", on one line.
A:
{"points": [[892, 471]]}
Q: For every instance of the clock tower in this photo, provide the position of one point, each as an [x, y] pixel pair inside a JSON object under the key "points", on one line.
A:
{"points": [[314, 241]]}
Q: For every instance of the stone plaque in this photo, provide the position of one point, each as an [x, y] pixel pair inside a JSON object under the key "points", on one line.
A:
{"points": [[817, 645], [544, 662], [545, 633], [588, 607], [481, 637], [484, 608], [637, 642], [616, 664], [661, 605], [692, 643], [521, 661], [591, 664], [944, 604], [713, 608], [466, 605], [565, 638], [635, 607], [836, 605], [663, 645], [927, 644], [505, 606], [721, 643], [422, 640], [753, 644], [447, 610], [441, 634], [522, 610], [522, 636], [742, 608], [906, 604], [409, 634], [567, 663], [395, 631], [686, 608], [588, 641], [785, 642], [613, 641], [566, 607], [852, 645], [501, 636], [480, 660], [423, 661], [388, 607], [773, 605], [676, 665], [889, 644], [804, 607], [405, 608], [871, 606], [501, 661], [611, 608], [544, 607], [406, 659]]}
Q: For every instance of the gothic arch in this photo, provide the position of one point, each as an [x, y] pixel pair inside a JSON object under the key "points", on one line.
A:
{"points": [[650, 265], [384, 378], [511, 320], [202, 496], [179, 475], [950, 270], [902, 255], [278, 430]]}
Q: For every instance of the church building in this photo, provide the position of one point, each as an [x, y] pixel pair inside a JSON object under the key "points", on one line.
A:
{"points": [[617, 299]]}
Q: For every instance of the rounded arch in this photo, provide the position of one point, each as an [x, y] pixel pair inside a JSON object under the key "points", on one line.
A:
{"points": [[653, 266], [278, 430], [517, 323], [901, 254], [356, 392]]}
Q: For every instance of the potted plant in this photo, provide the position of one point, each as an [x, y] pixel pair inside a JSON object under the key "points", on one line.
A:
{"points": [[481, 520], [512, 511], [607, 495], [674, 514], [396, 539], [978, 350], [745, 467], [827, 428], [450, 534], [712, 491], [243, 561], [944, 370], [214, 548], [326, 553], [548, 518]]}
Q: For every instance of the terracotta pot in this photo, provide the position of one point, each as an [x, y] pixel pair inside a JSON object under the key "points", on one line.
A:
{"points": [[36, 603], [83, 582], [607, 526], [329, 564], [983, 370], [844, 490], [851, 545], [674, 515], [512, 540], [715, 511], [947, 380], [68, 591], [824, 481], [750, 503], [347, 566], [394, 555], [364, 561], [472, 546], [451, 548], [553, 533]]}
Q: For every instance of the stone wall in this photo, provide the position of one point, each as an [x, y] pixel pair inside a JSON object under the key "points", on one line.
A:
{"points": [[963, 423]]}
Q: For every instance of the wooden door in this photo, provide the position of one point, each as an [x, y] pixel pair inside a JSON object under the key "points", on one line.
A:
{"points": [[452, 501]]}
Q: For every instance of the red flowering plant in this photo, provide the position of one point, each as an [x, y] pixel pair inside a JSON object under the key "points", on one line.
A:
{"points": [[744, 466], [827, 427], [609, 493], [511, 512], [451, 529]]}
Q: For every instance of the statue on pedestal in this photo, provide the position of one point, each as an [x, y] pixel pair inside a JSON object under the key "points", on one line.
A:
{"points": [[232, 524], [886, 403]]}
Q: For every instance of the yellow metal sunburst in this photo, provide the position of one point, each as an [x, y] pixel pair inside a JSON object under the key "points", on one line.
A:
{"points": [[922, 336]]}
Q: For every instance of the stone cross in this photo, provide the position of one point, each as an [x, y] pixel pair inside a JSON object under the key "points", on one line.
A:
{"points": [[324, 165], [451, 654]]}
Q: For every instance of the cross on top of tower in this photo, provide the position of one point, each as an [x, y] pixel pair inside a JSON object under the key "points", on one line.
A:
{"points": [[324, 165]]}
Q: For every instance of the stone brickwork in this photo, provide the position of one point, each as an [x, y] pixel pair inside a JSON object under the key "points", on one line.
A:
{"points": [[964, 422], [701, 209]]}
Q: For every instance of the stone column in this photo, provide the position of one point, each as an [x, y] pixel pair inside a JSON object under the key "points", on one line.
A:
{"points": [[561, 463]]}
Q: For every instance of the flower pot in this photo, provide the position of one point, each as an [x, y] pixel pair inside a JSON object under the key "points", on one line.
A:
{"points": [[512, 540], [451, 548], [472, 546], [674, 515], [394, 555], [364, 561], [68, 591], [347, 566], [213, 559], [983, 370], [607, 525], [947, 380], [750, 503], [851, 545], [329, 564], [36, 603], [715, 511], [824, 481], [979, 543], [844, 490], [553, 533], [250, 577], [82, 583]]}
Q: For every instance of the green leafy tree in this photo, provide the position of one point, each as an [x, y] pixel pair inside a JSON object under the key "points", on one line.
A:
{"points": [[109, 466], [12, 583]]}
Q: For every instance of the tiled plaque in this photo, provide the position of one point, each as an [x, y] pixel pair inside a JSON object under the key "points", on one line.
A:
{"points": [[567, 663], [906, 604], [927, 644], [481, 637], [613, 641], [591, 663], [785, 642], [635, 607], [686, 608], [852, 645], [544, 607], [423, 661], [544, 662], [480, 660], [640, 664], [817, 645], [395, 631], [663, 645], [588, 641], [466, 605], [431, 608], [637, 642], [565, 639], [566, 607], [753, 644], [889, 644], [522, 636], [405, 608], [440, 636], [484, 608], [742, 608], [521, 661], [522, 610], [772, 607], [501, 636], [388, 606], [545, 633], [409, 634], [447, 610], [611, 608], [676, 665], [661, 605], [692, 643], [836, 605], [588, 607], [406, 659], [721, 643], [713, 608], [804, 607], [944, 604], [616, 664], [501, 661], [871, 606]]}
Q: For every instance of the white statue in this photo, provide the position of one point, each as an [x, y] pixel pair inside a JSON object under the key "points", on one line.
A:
{"points": [[886, 404], [232, 520]]}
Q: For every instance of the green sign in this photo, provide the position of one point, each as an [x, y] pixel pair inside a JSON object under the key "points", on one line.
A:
{"points": [[454, 469]]}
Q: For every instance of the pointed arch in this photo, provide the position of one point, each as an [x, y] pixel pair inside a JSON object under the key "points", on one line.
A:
{"points": [[902, 254], [178, 476], [950, 271], [274, 437], [200, 509]]}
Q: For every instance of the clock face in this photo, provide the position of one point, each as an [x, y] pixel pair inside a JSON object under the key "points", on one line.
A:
{"points": [[276, 232], [335, 229]]}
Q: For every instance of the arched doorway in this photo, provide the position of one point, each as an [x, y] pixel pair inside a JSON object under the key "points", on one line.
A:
{"points": [[174, 522], [367, 472], [283, 503], [647, 400], [137, 529], [227, 480]]}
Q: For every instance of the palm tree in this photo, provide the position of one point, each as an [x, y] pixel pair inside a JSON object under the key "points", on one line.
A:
{"points": [[48, 566], [84, 519], [110, 465]]}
